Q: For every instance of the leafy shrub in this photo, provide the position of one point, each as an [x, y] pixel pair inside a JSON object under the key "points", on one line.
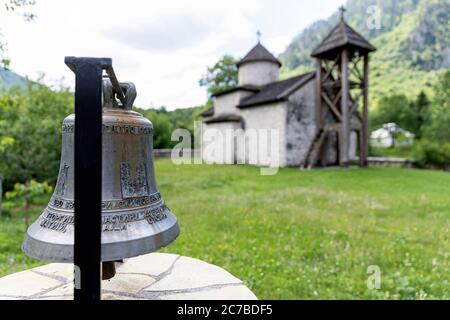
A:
{"points": [[28, 193], [438, 127], [432, 153], [6, 209], [30, 133]]}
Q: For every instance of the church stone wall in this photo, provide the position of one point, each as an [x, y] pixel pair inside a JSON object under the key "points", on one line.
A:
{"points": [[226, 103], [269, 116], [258, 73], [301, 127], [216, 145]]}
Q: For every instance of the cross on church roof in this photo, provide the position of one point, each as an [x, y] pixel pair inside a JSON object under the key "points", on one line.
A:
{"points": [[258, 35], [342, 10]]}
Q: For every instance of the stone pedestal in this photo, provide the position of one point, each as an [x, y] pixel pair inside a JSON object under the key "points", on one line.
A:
{"points": [[155, 276]]}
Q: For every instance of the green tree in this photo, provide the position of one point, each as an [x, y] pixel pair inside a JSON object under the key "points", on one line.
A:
{"points": [[434, 149], [420, 108], [395, 108], [164, 122], [161, 126], [27, 194], [438, 128], [410, 115], [30, 133], [163, 130], [221, 76]]}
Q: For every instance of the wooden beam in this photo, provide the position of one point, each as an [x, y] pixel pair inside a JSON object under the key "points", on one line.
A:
{"points": [[355, 69], [354, 103], [345, 129], [338, 96], [360, 143], [332, 106], [330, 69], [358, 114], [365, 114], [318, 108], [339, 134], [357, 76], [337, 85]]}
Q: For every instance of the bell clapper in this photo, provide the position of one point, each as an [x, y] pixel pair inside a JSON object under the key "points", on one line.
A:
{"points": [[108, 270]]}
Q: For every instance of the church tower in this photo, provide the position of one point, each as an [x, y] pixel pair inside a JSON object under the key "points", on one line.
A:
{"points": [[259, 67], [342, 66]]}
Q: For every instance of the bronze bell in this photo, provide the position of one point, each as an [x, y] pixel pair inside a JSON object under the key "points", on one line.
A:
{"points": [[135, 218]]}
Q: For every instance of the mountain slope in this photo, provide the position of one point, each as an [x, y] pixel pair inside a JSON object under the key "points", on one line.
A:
{"points": [[413, 44], [10, 79]]}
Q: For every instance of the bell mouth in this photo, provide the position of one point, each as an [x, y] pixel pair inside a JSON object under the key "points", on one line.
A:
{"points": [[111, 251]]}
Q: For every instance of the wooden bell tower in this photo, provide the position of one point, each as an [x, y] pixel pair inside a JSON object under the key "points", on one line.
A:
{"points": [[342, 66]]}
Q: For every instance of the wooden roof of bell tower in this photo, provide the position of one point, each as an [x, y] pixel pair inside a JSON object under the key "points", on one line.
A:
{"points": [[342, 36]]}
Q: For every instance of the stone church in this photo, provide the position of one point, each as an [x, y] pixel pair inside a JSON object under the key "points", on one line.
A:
{"points": [[316, 114]]}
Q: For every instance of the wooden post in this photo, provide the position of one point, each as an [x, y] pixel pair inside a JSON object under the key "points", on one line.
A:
{"points": [[345, 128], [318, 94], [338, 144], [365, 116], [360, 145]]}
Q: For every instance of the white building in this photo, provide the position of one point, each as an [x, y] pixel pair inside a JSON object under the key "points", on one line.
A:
{"points": [[389, 135]]}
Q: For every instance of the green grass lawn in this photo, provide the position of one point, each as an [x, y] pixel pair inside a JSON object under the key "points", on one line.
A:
{"points": [[304, 234], [396, 152]]}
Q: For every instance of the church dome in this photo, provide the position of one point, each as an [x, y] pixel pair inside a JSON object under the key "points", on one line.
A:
{"points": [[259, 67], [259, 53]]}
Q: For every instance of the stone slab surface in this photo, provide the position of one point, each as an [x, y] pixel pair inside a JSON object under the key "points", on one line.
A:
{"points": [[189, 273], [154, 276]]}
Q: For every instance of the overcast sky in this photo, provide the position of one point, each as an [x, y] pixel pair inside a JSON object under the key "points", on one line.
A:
{"points": [[162, 46]]}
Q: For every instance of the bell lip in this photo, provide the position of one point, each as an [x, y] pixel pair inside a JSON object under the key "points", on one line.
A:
{"points": [[110, 251]]}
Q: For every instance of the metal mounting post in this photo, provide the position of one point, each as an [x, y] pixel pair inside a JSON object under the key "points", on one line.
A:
{"points": [[88, 171]]}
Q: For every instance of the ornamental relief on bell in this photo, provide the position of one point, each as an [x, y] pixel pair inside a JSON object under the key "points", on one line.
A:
{"points": [[134, 180]]}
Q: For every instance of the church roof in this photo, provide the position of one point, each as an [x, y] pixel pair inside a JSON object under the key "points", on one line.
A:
{"points": [[227, 117], [259, 53], [238, 88], [208, 112], [342, 35], [276, 91], [271, 92]]}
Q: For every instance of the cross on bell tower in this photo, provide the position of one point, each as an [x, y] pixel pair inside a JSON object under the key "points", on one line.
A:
{"points": [[342, 10]]}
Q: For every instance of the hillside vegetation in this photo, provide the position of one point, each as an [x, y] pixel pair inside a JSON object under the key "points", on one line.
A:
{"points": [[9, 79], [413, 44]]}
